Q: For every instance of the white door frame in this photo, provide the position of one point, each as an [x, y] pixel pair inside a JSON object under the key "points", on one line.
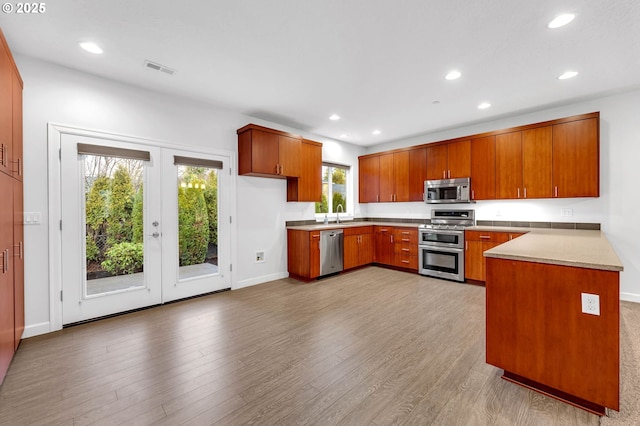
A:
{"points": [[54, 143]]}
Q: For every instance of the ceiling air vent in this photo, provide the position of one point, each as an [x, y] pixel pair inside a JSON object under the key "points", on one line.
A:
{"points": [[158, 67]]}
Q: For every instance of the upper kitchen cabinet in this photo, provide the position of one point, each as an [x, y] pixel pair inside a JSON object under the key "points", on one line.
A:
{"points": [[16, 126], [509, 166], [417, 173], [308, 186], [483, 168], [394, 177], [268, 153], [537, 159], [6, 110], [384, 178], [576, 171], [369, 179], [523, 164], [449, 161]]}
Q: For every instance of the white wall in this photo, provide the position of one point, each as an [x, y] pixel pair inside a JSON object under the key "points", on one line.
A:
{"points": [[54, 94], [618, 206]]}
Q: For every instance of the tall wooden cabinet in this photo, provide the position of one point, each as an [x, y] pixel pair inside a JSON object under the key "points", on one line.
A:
{"points": [[11, 211]]}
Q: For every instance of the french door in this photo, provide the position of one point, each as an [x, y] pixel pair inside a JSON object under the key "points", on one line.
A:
{"points": [[140, 225]]}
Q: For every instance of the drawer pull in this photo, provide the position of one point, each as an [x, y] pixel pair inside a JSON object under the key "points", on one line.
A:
{"points": [[485, 236], [406, 240], [405, 261], [406, 249]]}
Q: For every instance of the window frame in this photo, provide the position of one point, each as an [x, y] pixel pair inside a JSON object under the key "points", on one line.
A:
{"points": [[348, 213]]}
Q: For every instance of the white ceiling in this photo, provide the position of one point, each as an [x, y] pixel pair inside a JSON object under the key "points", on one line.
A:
{"points": [[379, 64]]}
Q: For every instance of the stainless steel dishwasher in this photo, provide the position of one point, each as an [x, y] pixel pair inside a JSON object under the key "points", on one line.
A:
{"points": [[331, 251]]}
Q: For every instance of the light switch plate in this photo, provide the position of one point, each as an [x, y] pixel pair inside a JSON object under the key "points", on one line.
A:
{"points": [[590, 304]]}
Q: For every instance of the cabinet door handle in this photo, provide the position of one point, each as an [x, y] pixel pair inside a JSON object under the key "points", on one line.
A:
{"points": [[19, 246], [444, 174], [448, 174], [391, 238], [484, 237], [473, 194], [518, 192], [556, 192], [377, 198], [2, 156], [6, 260], [466, 245], [525, 193]]}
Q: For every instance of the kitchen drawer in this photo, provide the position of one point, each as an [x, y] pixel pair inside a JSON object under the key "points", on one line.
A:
{"points": [[406, 248], [407, 261], [488, 236], [405, 235], [358, 230]]}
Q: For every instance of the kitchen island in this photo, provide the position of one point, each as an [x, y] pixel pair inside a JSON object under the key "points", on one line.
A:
{"points": [[540, 332]]}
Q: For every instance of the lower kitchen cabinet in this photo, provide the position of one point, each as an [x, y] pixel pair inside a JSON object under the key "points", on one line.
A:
{"points": [[405, 248], [476, 243], [396, 246], [303, 254], [358, 246], [383, 245], [537, 332]]}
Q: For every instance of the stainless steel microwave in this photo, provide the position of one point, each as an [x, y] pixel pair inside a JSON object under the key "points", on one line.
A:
{"points": [[447, 191]]}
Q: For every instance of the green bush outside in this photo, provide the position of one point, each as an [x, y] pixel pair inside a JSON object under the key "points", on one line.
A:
{"points": [[193, 226], [137, 218], [124, 258], [119, 226]]}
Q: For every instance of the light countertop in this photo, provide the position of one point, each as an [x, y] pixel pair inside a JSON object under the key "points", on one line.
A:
{"points": [[349, 224], [568, 247]]}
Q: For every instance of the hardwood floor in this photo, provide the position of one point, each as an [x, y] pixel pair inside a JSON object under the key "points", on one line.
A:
{"points": [[371, 347]]}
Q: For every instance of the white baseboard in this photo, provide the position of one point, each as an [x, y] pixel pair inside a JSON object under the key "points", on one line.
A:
{"points": [[259, 280], [36, 329], [630, 297]]}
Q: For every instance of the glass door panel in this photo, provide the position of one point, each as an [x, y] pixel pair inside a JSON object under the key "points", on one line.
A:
{"points": [[110, 227]]}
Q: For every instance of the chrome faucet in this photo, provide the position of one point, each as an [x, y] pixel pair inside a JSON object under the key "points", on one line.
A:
{"points": [[339, 209]]}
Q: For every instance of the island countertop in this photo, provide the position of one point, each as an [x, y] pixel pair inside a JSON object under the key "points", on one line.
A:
{"points": [[578, 248]]}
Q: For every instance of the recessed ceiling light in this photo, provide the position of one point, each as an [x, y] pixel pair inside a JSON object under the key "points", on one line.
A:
{"points": [[484, 105], [376, 132], [567, 74], [344, 135], [91, 47], [453, 75], [561, 20], [334, 117]]}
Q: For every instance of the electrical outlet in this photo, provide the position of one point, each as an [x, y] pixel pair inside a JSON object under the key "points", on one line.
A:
{"points": [[498, 213], [259, 256], [566, 212], [590, 304]]}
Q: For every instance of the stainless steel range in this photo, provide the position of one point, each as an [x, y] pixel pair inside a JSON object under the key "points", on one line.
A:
{"points": [[441, 244]]}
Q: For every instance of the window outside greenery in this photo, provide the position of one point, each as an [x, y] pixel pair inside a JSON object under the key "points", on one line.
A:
{"points": [[334, 188]]}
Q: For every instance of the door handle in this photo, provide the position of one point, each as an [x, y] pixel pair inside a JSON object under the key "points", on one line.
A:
{"points": [[155, 235]]}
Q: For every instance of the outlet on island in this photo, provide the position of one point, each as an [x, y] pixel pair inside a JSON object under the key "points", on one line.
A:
{"points": [[259, 257], [591, 304]]}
